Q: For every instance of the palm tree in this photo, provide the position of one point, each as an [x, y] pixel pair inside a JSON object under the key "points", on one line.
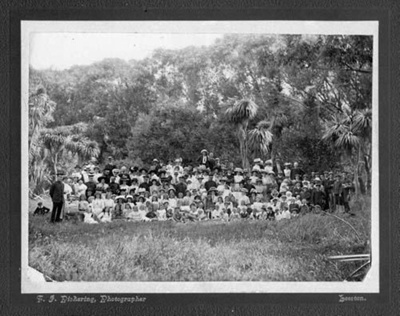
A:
{"points": [[41, 109], [350, 132], [240, 114], [58, 141], [260, 139], [363, 125]]}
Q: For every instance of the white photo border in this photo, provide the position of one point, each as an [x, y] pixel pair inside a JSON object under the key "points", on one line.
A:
{"points": [[371, 282]]}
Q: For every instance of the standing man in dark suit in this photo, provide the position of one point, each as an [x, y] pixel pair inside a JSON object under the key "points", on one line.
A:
{"points": [[57, 196]]}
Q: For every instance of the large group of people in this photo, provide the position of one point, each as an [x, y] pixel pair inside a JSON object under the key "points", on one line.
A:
{"points": [[205, 191]]}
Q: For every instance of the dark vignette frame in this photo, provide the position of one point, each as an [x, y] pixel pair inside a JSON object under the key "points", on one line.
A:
{"points": [[220, 302]]}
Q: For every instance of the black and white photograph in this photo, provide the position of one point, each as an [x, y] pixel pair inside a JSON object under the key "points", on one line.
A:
{"points": [[200, 157]]}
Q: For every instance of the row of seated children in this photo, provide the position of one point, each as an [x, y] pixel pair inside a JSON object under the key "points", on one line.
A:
{"points": [[97, 209]]}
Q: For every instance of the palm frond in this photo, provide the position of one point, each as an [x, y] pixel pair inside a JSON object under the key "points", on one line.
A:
{"points": [[363, 121], [347, 141], [260, 138], [241, 111]]}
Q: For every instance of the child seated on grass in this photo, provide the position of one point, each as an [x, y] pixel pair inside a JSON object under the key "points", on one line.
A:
{"points": [[235, 214], [225, 215], [41, 210], [89, 217], [201, 214], [270, 214], [285, 214], [256, 213], [177, 215], [162, 213], [127, 210], [152, 215], [243, 210], [143, 212], [220, 203], [192, 214], [216, 213], [106, 215], [119, 207], [134, 214], [304, 208]]}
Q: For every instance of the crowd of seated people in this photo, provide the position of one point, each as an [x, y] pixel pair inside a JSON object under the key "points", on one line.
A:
{"points": [[201, 193]]}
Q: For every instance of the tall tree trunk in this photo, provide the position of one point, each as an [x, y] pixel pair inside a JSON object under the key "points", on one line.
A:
{"points": [[55, 164], [356, 173], [242, 136]]}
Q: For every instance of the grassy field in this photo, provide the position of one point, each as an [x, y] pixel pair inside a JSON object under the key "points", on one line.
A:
{"points": [[288, 250]]}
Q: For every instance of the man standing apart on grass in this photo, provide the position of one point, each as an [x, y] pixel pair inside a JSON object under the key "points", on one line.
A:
{"points": [[57, 196]]}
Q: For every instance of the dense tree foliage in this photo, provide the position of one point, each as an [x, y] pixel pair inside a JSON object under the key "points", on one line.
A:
{"points": [[293, 97]]}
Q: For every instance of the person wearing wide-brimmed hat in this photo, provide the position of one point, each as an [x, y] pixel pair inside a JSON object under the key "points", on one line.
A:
{"points": [[102, 186], [222, 186], [257, 164], [98, 203], [178, 165], [287, 171], [238, 178], [244, 198], [155, 186], [155, 165], [77, 174], [119, 206], [203, 160]]}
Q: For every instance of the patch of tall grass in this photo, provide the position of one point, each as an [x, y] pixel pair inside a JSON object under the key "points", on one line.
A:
{"points": [[288, 250]]}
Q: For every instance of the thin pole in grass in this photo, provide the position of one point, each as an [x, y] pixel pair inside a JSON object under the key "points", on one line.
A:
{"points": [[346, 222], [358, 269]]}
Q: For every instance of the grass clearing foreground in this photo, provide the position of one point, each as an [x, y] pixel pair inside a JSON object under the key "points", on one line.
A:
{"points": [[288, 250]]}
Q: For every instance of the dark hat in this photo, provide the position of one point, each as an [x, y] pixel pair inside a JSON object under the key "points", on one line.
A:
{"points": [[101, 178], [165, 179], [60, 172], [142, 169], [124, 177], [78, 166]]}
